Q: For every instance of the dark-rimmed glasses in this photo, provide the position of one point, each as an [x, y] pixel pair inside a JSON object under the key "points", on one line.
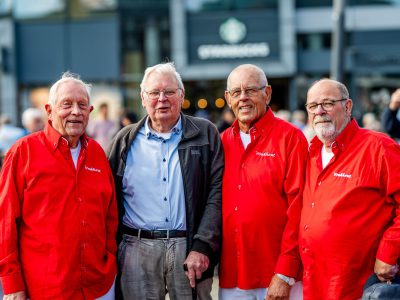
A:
{"points": [[326, 104]]}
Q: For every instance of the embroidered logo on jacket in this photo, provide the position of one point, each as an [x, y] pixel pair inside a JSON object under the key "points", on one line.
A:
{"points": [[195, 152], [343, 175], [92, 169], [258, 153]]}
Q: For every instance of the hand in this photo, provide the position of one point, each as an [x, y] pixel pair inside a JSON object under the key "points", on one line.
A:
{"points": [[15, 296], [196, 263], [385, 271], [395, 100], [278, 289]]}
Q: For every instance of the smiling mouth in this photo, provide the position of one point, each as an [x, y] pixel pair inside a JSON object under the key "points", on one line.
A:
{"points": [[245, 108]]}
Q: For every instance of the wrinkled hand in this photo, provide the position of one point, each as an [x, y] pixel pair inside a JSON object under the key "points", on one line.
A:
{"points": [[15, 296], [278, 289], [196, 263], [395, 100], [385, 271]]}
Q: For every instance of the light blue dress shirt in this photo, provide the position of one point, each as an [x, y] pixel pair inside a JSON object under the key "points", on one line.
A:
{"points": [[152, 185]]}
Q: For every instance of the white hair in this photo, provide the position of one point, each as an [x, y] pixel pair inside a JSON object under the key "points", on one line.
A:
{"points": [[164, 68], [67, 76]]}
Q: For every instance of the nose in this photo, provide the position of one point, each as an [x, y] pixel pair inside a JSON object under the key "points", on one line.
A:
{"points": [[75, 109], [319, 110], [162, 96], [243, 95]]}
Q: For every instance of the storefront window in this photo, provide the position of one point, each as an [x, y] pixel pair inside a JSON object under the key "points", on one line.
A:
{"points": [[5, 7], [212, 5], [329, 3], [28, 9], [85, 8]]}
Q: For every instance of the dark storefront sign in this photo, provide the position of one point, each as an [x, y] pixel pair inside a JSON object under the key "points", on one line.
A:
{"points": [[223, 37]]}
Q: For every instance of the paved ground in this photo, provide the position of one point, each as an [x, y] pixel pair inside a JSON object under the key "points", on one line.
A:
{"points": [[214, 292]]}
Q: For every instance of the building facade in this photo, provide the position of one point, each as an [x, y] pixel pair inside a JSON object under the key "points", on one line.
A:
{"points": [[111, 42]]}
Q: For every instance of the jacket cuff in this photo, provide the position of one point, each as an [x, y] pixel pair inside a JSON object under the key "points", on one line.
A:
{"points": [[12, 283], [288, 266], [388, 253], [202, 247]]}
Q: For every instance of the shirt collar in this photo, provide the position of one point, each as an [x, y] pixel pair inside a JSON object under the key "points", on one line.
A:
{"points": [[260, 126], [57, 140], [149, 132], [344, 138]]}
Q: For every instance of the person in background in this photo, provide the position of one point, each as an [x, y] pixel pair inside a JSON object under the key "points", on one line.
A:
{"points": [[33, 120], [103, 129], [350, 222], [128, 118], [299, 119], [370, 121], [58, 208], [391, 116], [226, 120], [284, 115], [168, 176], [9, 134], [261, 194]]}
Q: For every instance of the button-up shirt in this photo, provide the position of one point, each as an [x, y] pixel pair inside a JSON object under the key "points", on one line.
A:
{"points": [[349, 213], [261, 203], [57, 222], [152, 184]]}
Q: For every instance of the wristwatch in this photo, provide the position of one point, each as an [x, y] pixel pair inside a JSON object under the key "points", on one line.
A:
{"points": [[289, 280]]}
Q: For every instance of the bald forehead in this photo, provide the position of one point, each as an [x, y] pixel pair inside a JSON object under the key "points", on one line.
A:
{"points": [[249, 72], [325, 88], [326, 85]]}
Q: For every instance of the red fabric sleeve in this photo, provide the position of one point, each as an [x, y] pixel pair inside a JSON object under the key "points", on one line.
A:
{"points": [[11, 193], [289, 260]]}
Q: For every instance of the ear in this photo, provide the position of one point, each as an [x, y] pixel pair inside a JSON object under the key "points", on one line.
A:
{"points": [[349, 107], [91, 108], [268, 93], [182, 95], [143, 100], [228, 99], [48, 110]]}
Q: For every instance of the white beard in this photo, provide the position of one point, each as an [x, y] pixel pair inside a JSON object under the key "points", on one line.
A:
{"points": [[325, 131]]}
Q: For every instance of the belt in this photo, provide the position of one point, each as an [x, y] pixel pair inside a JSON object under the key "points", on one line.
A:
{"points": [[153, 234]]}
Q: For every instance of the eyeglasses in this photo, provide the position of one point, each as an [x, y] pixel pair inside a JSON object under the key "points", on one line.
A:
{"points": [[326, 104], [155, 94], [250, 91]]}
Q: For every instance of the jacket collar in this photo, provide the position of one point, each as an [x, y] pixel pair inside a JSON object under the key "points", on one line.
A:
{"points": [[262, 126], [189, 129], [56, 140]]}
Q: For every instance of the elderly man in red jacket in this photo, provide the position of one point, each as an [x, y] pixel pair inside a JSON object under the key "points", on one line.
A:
{"points": [[350, 223], [58, 208], [261, 193]]}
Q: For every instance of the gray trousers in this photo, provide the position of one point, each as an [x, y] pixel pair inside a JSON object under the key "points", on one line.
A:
{"points": [[152, 267]]}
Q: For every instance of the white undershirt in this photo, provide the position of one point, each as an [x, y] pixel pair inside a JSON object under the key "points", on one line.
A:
{"points": [[246, 139], [75, 153], [326, 157]]}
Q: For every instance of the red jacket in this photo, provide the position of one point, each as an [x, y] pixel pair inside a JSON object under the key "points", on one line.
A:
{"points": [[349, 213], [261, 203], [57, 224]]}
